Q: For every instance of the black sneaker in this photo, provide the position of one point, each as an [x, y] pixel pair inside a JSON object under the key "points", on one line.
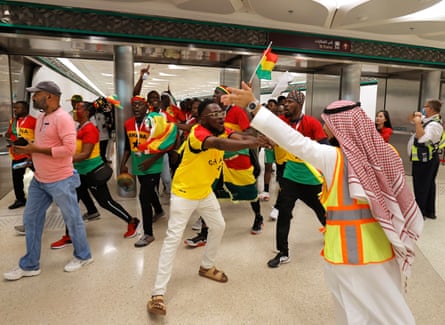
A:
{"points": [[17, 204], [87, 217], [197, 241], [280, 258], [257, 227]]}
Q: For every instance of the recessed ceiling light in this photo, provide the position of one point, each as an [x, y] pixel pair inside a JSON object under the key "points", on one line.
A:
{"points": [[163, 74]]}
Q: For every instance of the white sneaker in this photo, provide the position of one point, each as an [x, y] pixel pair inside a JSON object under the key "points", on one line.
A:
{"points": [[274, 214], [76, 264], [264, 196], [197, 225], [19, 273]]}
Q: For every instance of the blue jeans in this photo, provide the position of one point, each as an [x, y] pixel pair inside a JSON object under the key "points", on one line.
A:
{"points": [[40, 197]]}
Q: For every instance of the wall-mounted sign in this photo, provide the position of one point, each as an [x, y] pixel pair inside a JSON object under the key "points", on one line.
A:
{"points": [[309, 42]]}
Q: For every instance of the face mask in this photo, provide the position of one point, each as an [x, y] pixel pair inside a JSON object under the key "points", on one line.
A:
{"points": [[422, 110]]}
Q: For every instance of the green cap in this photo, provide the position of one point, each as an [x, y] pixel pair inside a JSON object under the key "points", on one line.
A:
{"points": [[77, 98]]}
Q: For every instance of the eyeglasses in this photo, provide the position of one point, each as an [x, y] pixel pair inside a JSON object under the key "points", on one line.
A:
{"points": [[221, 114]]}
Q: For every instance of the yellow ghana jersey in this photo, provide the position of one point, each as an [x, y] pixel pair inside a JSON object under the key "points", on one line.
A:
{"points": [[297, 170], [199, 168], [88, 133]]}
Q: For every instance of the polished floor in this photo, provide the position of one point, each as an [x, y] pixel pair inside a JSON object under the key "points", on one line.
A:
{"points": [[115, 288]]}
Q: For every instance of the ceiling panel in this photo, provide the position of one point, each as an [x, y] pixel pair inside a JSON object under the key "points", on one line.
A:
{"points": [[360, 18], [191, 71]]}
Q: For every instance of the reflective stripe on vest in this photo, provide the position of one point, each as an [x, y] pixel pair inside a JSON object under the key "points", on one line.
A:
{"points": [[428, 155], [431, 147], [352, 235]]}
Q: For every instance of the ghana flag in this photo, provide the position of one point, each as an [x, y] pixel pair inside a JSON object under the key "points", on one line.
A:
{"points": [[267, 63], [163, 134]]}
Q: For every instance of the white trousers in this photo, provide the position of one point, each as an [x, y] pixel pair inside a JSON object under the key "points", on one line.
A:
{"points": [[368, 294], [165, 174], [180, 211]]}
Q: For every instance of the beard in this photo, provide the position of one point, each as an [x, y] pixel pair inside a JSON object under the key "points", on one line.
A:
{"points": [[215, 131], [40, 105]]}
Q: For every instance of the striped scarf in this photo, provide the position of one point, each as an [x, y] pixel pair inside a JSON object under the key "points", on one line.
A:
{"points": [[377, 167]]}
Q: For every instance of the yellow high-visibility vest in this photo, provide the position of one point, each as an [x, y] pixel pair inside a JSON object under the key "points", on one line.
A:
{"points": [[352, 235]]}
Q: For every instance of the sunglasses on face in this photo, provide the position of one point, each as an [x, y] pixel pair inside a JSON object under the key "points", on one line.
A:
{"points": [[221, 114]]}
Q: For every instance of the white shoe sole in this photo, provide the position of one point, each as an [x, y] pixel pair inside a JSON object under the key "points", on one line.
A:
{"points": [[79, 266], [11, 277]]}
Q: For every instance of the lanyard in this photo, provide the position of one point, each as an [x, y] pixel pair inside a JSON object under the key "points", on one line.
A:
{"points": [[296, 122], [138, 129]]}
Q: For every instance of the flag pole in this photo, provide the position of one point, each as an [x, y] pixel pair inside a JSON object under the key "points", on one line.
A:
{"points": [[259, 62]]}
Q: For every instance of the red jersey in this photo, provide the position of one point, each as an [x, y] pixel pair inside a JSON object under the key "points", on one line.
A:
{"points": [[236, 119], [308, 126], [174, 114], [21, 127], [385, 133]]}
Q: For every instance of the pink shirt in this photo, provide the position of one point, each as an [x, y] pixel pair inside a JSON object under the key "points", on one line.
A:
{"points": [[57, 131]]}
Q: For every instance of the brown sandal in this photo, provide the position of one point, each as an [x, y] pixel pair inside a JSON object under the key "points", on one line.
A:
{"points": [[213, 274], [156, 305]]}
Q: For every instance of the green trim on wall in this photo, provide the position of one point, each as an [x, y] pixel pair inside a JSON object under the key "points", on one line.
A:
{"points": [[360, 56], [369, 83], [219, 43], [133, 36], [197, 22]]}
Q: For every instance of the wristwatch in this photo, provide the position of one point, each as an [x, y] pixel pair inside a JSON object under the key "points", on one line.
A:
{"points": [[252, 105]]}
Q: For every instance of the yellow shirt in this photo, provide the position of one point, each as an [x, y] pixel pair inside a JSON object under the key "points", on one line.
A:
{"points": [[199, 168]]}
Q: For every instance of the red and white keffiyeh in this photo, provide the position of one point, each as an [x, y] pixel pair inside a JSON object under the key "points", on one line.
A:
{"points": [[377, 167]]}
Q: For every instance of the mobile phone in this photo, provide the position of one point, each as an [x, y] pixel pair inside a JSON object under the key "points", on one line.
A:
{"points": [[20, 142]]}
